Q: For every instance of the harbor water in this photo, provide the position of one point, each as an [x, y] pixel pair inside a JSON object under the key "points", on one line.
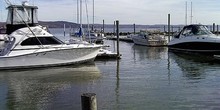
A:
{"points": [[145, 78]]}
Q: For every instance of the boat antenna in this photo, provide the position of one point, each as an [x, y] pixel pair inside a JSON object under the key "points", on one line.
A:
{"points": [[186, 14]]}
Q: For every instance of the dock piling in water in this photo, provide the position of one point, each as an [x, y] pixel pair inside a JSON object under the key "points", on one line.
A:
{"points": [[134, 29], [117, 33], [213, 28], [103, 25], [88, 101], [169, 27], [64, 30]]}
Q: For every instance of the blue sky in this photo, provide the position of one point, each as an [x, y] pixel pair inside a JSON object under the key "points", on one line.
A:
{"points": [[126, 11]]}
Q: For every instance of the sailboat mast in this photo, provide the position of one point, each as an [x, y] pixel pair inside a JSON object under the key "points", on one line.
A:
{"points": [[80, 13], [1, 15], [81, 20], [77, 11], [186, 14], [191, 14], [93, 15]]}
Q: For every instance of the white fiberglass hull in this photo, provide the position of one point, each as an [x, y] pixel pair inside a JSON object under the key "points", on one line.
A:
{"points": [[56, 57], [148, 42], [140, 41]]}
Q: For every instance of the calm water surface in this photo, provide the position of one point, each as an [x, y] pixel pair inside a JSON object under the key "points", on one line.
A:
{"points": [[146, 78]]}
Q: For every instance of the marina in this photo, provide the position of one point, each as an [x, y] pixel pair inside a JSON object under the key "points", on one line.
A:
{"points": [[144, 78], [118, 67]]}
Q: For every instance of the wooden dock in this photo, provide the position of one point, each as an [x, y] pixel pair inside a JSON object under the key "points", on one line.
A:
{"points": [[121, 38]]}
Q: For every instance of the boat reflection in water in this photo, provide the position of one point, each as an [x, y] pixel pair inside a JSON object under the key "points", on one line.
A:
{"points": [[194, 66], [46, 88], [150, 52]]}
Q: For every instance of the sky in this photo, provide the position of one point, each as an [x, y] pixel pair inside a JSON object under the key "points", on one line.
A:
{"points": [[145, 12]]}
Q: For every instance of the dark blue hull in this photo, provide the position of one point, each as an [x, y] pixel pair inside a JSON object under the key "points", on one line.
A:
{"points": [[208, 48]]}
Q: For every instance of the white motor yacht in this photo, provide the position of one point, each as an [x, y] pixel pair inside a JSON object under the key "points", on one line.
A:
{"points": [[147, 38], [196, 38], [30, 45]]}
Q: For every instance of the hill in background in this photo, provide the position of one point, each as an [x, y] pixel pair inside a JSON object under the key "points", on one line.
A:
{"points": [[51, 24], [60, 24]]}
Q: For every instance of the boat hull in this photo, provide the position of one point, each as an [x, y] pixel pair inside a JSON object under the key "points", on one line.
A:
{"points": [[50, 58], [207, 48], [147, 42]]}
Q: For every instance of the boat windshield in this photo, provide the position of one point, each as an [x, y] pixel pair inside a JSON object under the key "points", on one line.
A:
{"points": [[202, 30], [41, 41], [143, 33], [196, 30]]}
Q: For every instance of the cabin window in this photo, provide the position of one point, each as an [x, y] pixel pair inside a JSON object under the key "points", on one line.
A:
{"points": [[202, 30], [187, 31], [40, 40]]}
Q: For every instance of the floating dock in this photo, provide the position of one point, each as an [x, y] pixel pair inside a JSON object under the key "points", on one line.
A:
{"points": [[106, 54]]}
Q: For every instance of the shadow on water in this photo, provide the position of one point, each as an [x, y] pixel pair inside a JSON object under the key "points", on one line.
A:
{"points": [[194, 66], [39, 88]]}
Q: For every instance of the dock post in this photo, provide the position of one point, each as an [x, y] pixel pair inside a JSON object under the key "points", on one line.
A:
{"points": [[88, 101], [169, 27], [117, 33], [64, 30], [103, 25], [134, 29], [213, 28]]}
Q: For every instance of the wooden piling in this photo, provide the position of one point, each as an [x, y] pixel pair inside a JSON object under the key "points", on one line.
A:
{"points": [[103, 25], [169, 27], [134, 29], [64, 30], [213, 28], [88, 101], [117, 33]]}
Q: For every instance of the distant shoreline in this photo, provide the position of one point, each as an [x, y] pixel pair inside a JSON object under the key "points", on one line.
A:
{"points": [[60, 24]]}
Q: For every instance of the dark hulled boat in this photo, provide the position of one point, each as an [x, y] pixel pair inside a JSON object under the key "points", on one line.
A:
{"points": [[196, 39]]}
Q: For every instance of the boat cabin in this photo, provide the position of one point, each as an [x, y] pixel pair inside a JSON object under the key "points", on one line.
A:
{"points": [[194, 30], [20, 16]]}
